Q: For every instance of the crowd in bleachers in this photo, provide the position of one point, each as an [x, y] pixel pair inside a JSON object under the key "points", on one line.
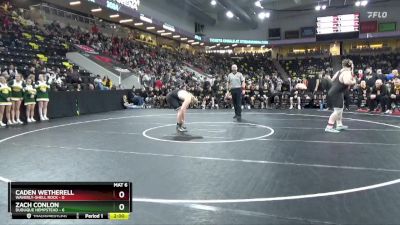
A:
{"points": [[377, 88]]}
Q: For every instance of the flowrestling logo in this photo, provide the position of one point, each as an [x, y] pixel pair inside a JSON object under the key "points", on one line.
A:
{"points": [[379, 15]]}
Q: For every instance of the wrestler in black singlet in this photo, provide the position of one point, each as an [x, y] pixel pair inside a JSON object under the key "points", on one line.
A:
{"points": [[173, 99], [336, 93]]}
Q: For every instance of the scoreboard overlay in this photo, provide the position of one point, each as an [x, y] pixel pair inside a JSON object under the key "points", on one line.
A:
{"points": [[70, 200]]}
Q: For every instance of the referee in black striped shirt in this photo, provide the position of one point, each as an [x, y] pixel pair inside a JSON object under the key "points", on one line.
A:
{"points": [[236, 84]]}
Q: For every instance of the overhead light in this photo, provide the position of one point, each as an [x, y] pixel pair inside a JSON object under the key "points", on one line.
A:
{"points": [[166, 34], [195, 43], [183, 39], [160, 31], [169, 27], [229, 14], [150, 28], [364, 3], [226, 47], [262, 46], [358, 3], [190, 41], [258, 4], [176, 36], [320, 7], [114, 16], [211, 47], [126, 21], [75, 3], [201, 44], [248, 45], [145, 19], [263, 15], [96, 10], [213, 2], [218, 44], [234, 45], [138, 24]]}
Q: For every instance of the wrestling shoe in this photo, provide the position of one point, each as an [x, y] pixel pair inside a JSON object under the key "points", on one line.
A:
{"points": [[2, 124], [331, 130], [235, 117], [181, 129], [339, 128]]}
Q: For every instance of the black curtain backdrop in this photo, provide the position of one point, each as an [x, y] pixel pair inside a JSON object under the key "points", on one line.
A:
{"points": [[62, 104], [100, 101]]}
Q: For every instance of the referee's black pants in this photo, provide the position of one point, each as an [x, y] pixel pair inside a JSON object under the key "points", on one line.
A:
{"points": [[237, 100]]}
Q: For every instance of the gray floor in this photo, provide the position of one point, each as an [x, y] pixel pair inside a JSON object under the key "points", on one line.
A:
{"points": [[276, 167]]}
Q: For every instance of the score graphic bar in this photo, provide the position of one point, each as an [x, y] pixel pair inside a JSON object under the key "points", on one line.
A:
{"points": [[75, 200]]}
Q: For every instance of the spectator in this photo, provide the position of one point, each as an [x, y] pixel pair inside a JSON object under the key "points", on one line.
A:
{"points": [[42, 92], [129, 105], [297, 94], [97, 80], [107, 83], [370, 78], [379, 96], [158, 84], [392, 75], [5, 102], [17, 86], [73, 77], [394, 98], [12, 71], [364, 93], [29, 99]]}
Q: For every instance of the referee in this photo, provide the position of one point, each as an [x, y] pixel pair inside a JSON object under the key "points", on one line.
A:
{"points": [[236, 84]]}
